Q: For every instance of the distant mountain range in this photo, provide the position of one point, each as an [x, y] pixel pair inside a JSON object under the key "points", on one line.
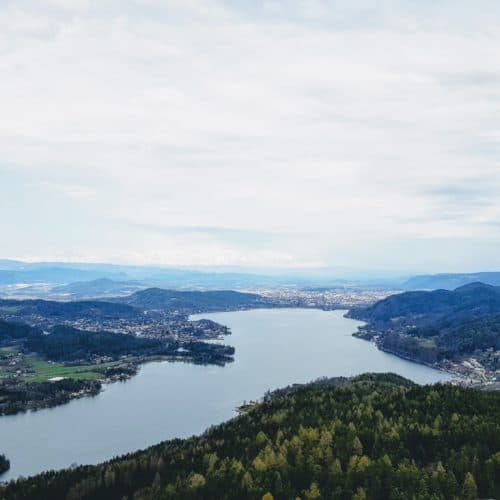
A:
{"points": [[450, 281], [85, 280], [60, 273], [102, 287], [81, 280]]}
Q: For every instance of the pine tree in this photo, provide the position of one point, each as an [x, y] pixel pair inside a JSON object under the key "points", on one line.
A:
{"points": [[469, 489], [313, 492], [357, 447], [359, 495]]}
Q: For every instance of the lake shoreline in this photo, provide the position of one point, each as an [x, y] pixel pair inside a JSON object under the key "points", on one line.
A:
{"points": [[91, 388], [436, 366], [130, 367], [167, 400], [464, 375]]}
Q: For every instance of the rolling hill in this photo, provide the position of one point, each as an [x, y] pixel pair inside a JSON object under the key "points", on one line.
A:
{"points": [[192, 301]]}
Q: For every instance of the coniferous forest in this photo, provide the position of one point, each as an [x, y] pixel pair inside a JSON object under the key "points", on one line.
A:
{"points": [[374, 437]]}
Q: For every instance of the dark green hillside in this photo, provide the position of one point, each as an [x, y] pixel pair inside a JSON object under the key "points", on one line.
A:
{"points": [[431, 326], [14, 331], [468, 302], [192, 301], [64, 343], [69, 344], [376, 436], [67, 310]]}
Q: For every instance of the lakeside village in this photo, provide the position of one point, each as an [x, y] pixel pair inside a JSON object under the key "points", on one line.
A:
{"points": [[30, 378], [175, 326], [481, 369], [46, 370], [22, 371], [172, 328]]}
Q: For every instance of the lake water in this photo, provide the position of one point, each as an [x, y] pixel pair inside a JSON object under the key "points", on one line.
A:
{"points": [[274, 348]]}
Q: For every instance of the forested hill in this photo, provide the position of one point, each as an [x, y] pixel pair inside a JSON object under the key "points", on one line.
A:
{"points": [[376, 437], [10, 331], [437, 325], [66, 310], [130, 306], [192, 301], [472, 301]]}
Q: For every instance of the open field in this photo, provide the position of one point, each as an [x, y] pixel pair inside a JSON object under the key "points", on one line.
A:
{"points": [[9, 309], [8, 350], [44, 370], [427, 343]]}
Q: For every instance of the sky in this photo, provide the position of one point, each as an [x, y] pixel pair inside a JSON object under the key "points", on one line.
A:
{"points": [[252, 134]]}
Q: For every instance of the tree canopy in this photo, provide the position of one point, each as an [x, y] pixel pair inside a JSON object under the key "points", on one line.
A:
{"points": [[370, 438]]}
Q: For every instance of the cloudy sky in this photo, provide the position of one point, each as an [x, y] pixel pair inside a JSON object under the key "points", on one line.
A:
{"points": [[363, 133]]}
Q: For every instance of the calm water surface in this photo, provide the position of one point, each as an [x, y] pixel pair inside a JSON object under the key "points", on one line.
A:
{"points": [[274, 348]]}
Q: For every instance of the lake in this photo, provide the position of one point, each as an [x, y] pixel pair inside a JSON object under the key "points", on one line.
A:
{"points": [[274, 348]]}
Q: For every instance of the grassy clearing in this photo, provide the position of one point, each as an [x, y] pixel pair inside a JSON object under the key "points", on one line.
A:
{"points": [[9, 309], [427, 343], [45, 371], [8, 350]]}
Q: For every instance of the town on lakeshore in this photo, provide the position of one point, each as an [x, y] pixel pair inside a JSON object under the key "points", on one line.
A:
{"points": [[52, 351]]}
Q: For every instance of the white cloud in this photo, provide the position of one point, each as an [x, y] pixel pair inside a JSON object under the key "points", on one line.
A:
{"points": [[71, 191], [298, 117]]}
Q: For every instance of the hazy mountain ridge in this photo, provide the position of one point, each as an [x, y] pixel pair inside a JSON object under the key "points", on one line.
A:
{"points": [[91, 279], [102, 287], [12, 272], [450, 281], [68, 274]]}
